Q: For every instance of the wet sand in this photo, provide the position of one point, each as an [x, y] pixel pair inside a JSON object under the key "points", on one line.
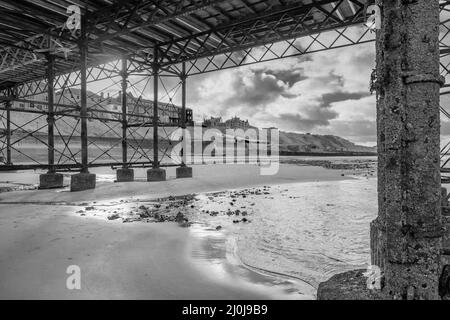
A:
{"points": [[41, 234], [117, 261], [206, 178]]}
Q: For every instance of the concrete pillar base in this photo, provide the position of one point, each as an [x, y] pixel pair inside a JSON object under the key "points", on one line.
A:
{"points": [[51, 181], [157, 174], [184, 172], [125, 175], [82, 181]]}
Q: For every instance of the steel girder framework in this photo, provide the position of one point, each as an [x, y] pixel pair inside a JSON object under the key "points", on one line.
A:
{"points": [[121, 138], [225, 33]]}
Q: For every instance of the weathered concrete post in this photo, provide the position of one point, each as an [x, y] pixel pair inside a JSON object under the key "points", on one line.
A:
{"points": [[51, 179], [124, 174], [84, 180], [184, 171], [406, 237], [156, 173]]}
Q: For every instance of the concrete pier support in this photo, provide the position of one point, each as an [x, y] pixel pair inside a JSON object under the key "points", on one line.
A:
{"points": [[406, 237], [125, 175], [51, 180], [84, 180], [184, 172], [156, 174]]}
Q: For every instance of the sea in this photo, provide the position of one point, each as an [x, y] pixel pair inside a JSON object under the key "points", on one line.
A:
{"points": [[303, 233]]}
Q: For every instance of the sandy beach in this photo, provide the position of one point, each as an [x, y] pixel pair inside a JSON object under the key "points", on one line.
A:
{"points": [[44, 232]]}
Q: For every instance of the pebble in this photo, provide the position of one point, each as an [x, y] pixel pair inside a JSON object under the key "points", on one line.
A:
{"points": [[114, 217]]}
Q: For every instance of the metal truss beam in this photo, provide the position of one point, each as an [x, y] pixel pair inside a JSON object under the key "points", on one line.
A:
{"points": [[129, 28], [138, 65], [323, 41], [277, 23], [62, 81], [334, 39], [115, 21], [13, 58]]}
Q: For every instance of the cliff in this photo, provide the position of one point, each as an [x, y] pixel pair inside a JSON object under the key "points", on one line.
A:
{"points": [[311, 143]]}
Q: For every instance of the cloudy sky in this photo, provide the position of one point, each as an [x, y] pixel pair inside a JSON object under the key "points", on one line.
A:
{"points": [[324, 93], [321, 93]]}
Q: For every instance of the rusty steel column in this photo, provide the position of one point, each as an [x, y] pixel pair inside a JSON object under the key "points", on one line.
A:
{"points": [[156, 173], [125, 174], [8, 133], [84, 180], [406, 236], [184, 171], [83, 96], [51, 179], [124, 75], [183, 110], [51, 114], [155, 110]]}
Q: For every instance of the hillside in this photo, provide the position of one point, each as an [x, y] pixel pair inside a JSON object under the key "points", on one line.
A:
{"points": [[296, 142], [293, 143]]}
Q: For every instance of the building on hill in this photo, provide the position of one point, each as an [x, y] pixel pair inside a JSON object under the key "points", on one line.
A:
{"points": [[212, 122], [237, 123], [233, 123]]}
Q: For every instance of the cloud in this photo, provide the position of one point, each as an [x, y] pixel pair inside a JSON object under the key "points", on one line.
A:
{"points": [[289, 77], [306, 121], [259, 88], [330, 98]]}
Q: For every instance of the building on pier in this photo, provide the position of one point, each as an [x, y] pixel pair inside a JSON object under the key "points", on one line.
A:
{"points": [[101, 106]]}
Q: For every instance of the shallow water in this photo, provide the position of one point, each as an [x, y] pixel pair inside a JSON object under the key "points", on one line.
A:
{"points": [[304, 231]]}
